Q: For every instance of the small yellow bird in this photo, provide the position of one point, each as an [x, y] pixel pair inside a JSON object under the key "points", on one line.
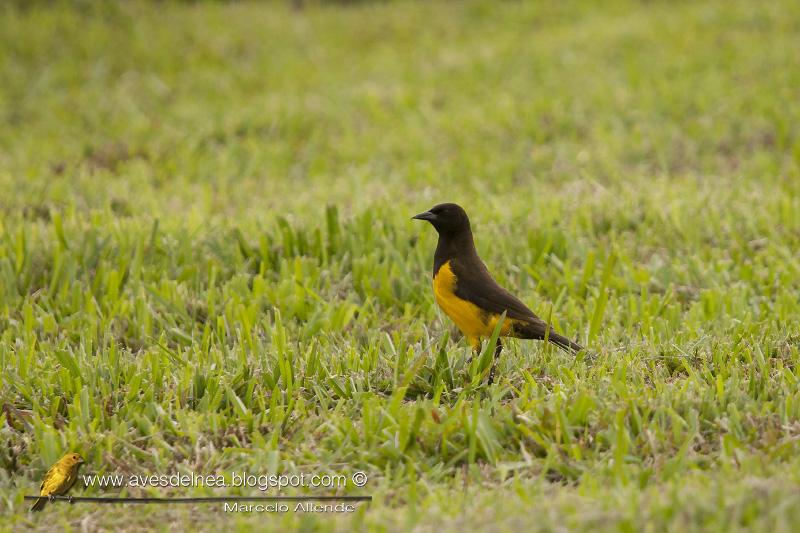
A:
{"points": [[59, 479]]}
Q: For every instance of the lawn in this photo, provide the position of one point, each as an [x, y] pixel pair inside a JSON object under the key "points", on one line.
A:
{"points": [[207, 262]]}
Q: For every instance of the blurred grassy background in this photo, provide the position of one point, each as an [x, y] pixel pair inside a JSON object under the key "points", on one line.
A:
{"points": [[206, 261]]}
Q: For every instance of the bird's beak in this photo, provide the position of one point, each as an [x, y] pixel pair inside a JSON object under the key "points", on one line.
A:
{"points": [[427, 215]]}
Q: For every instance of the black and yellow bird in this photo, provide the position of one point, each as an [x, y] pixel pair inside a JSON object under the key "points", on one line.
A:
{"points": [[467, 293]]}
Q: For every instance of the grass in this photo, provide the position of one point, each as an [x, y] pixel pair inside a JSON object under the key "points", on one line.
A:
{"points": [[207, 262]]}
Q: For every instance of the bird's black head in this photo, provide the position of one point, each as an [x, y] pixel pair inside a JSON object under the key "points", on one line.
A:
{"points": [[448, 219]]}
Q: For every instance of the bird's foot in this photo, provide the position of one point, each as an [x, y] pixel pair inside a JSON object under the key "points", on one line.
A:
{"points": [[497, 349], [51, 497], [70, 499]]}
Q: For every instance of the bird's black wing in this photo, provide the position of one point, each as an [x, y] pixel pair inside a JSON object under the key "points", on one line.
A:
{"points": [[476, 285]]}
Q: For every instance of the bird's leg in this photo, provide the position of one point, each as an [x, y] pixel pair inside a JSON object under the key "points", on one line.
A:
{"points": [[51, 497], [476, 351], [497, 349], [70, 499]]}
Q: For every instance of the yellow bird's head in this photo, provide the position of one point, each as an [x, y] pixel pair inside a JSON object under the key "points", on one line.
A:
{"points": [[71, 460]]}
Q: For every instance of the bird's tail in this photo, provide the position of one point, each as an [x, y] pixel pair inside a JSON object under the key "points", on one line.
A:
{"points": [[38, 505], [563, 342]]}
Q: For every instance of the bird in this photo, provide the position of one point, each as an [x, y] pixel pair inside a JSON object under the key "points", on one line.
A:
{"points": [[466, 292], [59, 479]]}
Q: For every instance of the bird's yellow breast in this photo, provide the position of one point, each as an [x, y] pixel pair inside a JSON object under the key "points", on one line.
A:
{"points": [[470, 319]]}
